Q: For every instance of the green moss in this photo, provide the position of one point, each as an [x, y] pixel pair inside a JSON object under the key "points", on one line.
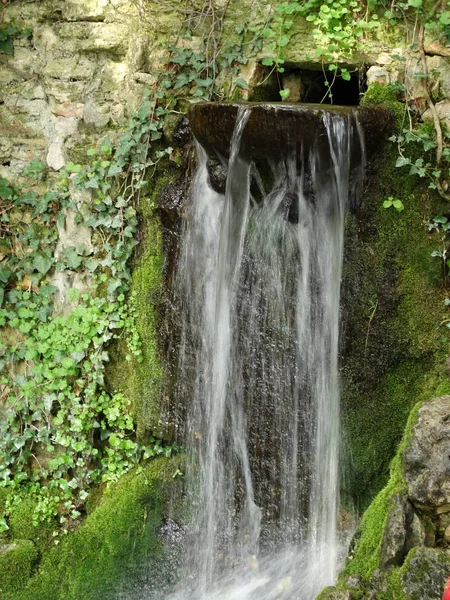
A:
{"points": [[388, 97], [367, 551], [393, 292], [141, 382], [113, 543], [423, 569], [21, 525], [16, 565]]}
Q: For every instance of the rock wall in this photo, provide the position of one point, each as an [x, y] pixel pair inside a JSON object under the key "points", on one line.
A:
{"points": [[403, 552]]}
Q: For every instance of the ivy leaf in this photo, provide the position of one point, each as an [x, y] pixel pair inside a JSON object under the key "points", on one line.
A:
{"points": [[73, 168], [114, 169], [345, 75], [7, 46], [267, 62], [47, 290], [285, 93], [73, 259], [241, 83], [114, 440], [42, 263], [6, 193], [387, 203], [402, 161]]}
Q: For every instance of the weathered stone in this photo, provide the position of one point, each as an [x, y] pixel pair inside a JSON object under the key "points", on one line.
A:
{"points": [[393, 547], [426, 574], [64, 281], [253, 74], [95, 114], [426, 461], [414, 87], [416, 533], [172, 196], [84, 10], [217, 174], [379, 75], [447, 534], [75, 67], [443, 510], [69, 109], [63, 127], [277, 129], [439, 70], [385, 58], [294, 84], [74, 234], [435, 48], [177, 131]]}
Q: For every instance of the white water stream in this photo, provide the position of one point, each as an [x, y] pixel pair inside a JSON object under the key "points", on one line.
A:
{"points": [[259, 277]]}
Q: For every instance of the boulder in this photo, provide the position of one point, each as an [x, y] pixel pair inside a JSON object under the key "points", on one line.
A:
{"points": [[393, 547], [426, 461], [426, 574]]}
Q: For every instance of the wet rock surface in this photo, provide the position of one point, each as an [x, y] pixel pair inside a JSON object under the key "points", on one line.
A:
{"points": [[279, 128], [217, 173]]}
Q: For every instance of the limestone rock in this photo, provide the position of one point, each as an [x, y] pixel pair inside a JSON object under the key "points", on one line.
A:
{"points": [[294, 83], [69, 109], [393, 547], [447, 534], [381, 75], [75, 234], [426, 461], [84, 10], [439, 70], [95, 114], [426, 574], [435, 48]]}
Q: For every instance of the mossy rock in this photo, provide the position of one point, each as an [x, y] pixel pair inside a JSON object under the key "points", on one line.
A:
{"points": [[393, 345], [366, 553], [116, 541], [423, 575], [142, 381], [22, 527], [16, 565]]}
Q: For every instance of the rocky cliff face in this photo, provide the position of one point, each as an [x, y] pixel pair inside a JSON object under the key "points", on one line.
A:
{"points": [[411, 541]]}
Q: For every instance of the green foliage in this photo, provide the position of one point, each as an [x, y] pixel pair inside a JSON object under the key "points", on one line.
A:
{"points": [[422, 139], [62, 431], [395, 203], [8, 33]]}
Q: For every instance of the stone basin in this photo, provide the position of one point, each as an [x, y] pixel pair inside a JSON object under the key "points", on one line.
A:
{"points": [[278, 128]]}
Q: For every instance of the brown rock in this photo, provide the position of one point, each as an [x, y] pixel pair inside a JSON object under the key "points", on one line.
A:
{"points": [[69, 109]]}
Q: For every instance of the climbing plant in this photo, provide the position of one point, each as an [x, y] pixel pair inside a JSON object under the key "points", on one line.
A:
{"points": [[61, 430]]}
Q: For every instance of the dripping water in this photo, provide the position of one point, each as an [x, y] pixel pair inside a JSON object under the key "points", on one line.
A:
{"points": [[259, 282]]}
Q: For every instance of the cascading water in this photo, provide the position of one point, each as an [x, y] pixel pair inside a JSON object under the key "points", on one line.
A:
{"points": [[259, 280]]}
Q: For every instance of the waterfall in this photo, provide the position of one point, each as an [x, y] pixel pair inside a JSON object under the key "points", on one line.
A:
{"points": [[259, 283]]}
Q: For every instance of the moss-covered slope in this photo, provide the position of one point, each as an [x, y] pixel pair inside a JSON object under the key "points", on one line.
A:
{"points": [[110, 547]]}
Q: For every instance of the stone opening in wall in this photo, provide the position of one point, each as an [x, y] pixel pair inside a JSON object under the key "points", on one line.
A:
{"points": [[311, 86]]}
